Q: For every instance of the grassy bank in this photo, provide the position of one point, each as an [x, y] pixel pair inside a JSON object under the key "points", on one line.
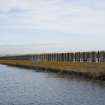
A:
{"points": [[94, 70]]}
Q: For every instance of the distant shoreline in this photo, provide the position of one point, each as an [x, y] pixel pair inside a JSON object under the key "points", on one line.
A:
{"points": [[88, 70]]}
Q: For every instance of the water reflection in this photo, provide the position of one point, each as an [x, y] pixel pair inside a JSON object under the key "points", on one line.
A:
{"points": [[28, 87], [72, 78]]}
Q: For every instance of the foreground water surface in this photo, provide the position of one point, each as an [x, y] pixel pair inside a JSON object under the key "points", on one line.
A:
{"points": [[28, 87]]}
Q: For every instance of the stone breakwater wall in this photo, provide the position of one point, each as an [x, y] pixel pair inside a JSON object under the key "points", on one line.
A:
{"points": [[94, 56]]}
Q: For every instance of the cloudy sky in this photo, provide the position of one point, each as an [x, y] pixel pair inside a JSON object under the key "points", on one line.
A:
{"points": [[28, 26]]}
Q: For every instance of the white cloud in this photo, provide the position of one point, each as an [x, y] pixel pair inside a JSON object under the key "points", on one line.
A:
{"points": [[80, 17], [53, 15]]}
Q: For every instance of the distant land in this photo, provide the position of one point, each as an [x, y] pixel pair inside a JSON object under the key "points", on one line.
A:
{"points": [[39, 48]]}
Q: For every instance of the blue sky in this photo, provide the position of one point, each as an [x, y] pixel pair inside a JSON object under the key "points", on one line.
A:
{"points": [[28, 26]]}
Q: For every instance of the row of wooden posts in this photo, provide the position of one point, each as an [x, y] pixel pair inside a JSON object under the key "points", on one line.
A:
{"points": [[98, 56]]}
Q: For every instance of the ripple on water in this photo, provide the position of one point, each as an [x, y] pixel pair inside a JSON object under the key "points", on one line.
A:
{"points": [[27, 87]]}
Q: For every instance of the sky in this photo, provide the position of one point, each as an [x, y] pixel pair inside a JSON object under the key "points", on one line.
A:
{"points": [[37, 26]]}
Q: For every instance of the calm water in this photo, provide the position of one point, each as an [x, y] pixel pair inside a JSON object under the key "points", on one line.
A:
{"points": [[28, 87]]}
